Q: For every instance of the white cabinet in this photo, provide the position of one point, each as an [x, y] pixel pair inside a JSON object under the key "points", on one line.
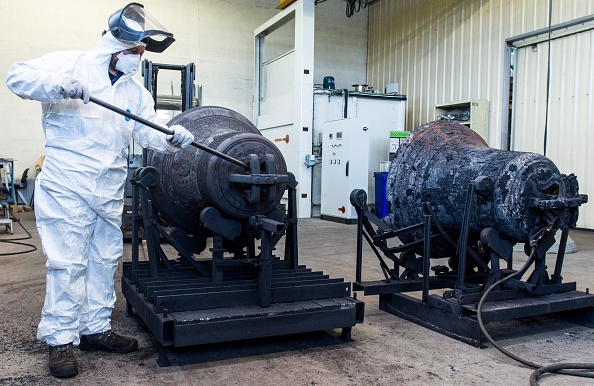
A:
{"points": [[477, 118], [380, 113], [345, 166]]}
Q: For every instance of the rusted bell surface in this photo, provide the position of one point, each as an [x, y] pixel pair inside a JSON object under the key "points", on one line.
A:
{"points": [[193, 179], [439, 160]]}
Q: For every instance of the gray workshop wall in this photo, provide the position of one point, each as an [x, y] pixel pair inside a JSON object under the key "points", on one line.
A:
{"points": [[452, 50], [215, 35], [570, 126]]}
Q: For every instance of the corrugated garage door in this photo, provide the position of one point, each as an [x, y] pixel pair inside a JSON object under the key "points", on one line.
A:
{"points": [[570, 133]]}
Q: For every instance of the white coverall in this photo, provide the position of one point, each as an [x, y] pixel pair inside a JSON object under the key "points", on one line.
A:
{"points": [[79, 194]]}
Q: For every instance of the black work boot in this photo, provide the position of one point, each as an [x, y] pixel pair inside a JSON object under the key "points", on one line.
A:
{"points": [[107, 341], [62, 362]]}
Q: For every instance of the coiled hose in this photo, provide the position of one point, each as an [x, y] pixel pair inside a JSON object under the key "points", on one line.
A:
{"points": [[540, 369], [31, 247]]}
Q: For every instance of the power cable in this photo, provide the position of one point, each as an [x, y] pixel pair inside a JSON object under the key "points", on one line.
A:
{"points": [[540, 369], [353, 6], [16, 241], [350, 7], [548, 92]]}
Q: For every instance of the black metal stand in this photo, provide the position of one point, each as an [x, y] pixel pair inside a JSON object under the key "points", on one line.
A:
{"points": [[454, 312], [190, 301]]}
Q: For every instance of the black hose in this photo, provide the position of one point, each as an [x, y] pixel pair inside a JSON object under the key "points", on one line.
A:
{"points": [[345, 95], [350, 7], [16, 241], [555, 368]]}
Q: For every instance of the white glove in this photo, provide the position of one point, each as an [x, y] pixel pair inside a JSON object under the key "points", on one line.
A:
{"points": [[72, 88], [181, 137]]}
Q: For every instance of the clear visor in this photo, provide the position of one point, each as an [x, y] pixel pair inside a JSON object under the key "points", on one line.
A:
{"points": [[135, 18], [134, 24]]}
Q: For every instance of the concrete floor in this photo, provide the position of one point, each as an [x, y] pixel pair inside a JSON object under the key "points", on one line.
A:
{"points": [[386, 350]]}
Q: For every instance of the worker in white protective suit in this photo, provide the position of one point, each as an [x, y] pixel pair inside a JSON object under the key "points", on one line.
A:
{"points": [[79, 195]]}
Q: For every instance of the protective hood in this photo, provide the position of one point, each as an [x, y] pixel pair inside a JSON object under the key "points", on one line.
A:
{"points": [[132, 23], [107, 46]]}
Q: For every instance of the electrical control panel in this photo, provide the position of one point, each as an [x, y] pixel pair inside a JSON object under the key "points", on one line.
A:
{"points": [[345, 162]]}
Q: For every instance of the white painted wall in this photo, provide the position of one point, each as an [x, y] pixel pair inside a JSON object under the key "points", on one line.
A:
{"points": [[215, 35]]}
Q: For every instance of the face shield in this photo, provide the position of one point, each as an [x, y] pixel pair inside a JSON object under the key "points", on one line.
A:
{"points": [[132, 23]]}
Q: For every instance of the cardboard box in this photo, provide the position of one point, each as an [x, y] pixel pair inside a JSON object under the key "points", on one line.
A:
{"points": [[17, 208]]}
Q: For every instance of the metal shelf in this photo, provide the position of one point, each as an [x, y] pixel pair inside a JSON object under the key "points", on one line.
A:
{"points": [[479, 114]]}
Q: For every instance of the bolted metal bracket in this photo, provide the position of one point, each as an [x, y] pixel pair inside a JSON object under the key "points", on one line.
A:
{"points": [[212, 219], [145, 177], [257, 180], [266, 224], [483, 185]]}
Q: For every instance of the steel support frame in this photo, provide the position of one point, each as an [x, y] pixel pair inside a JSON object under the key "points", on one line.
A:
{"points": [[235, 299], [224, 324], [435, 315], [454, 312]]}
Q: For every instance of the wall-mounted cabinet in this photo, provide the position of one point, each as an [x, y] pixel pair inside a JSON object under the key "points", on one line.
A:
{"points": [[472, 113]]}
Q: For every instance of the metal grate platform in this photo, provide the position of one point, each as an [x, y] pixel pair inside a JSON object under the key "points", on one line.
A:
{"points": [[182, 307]]}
